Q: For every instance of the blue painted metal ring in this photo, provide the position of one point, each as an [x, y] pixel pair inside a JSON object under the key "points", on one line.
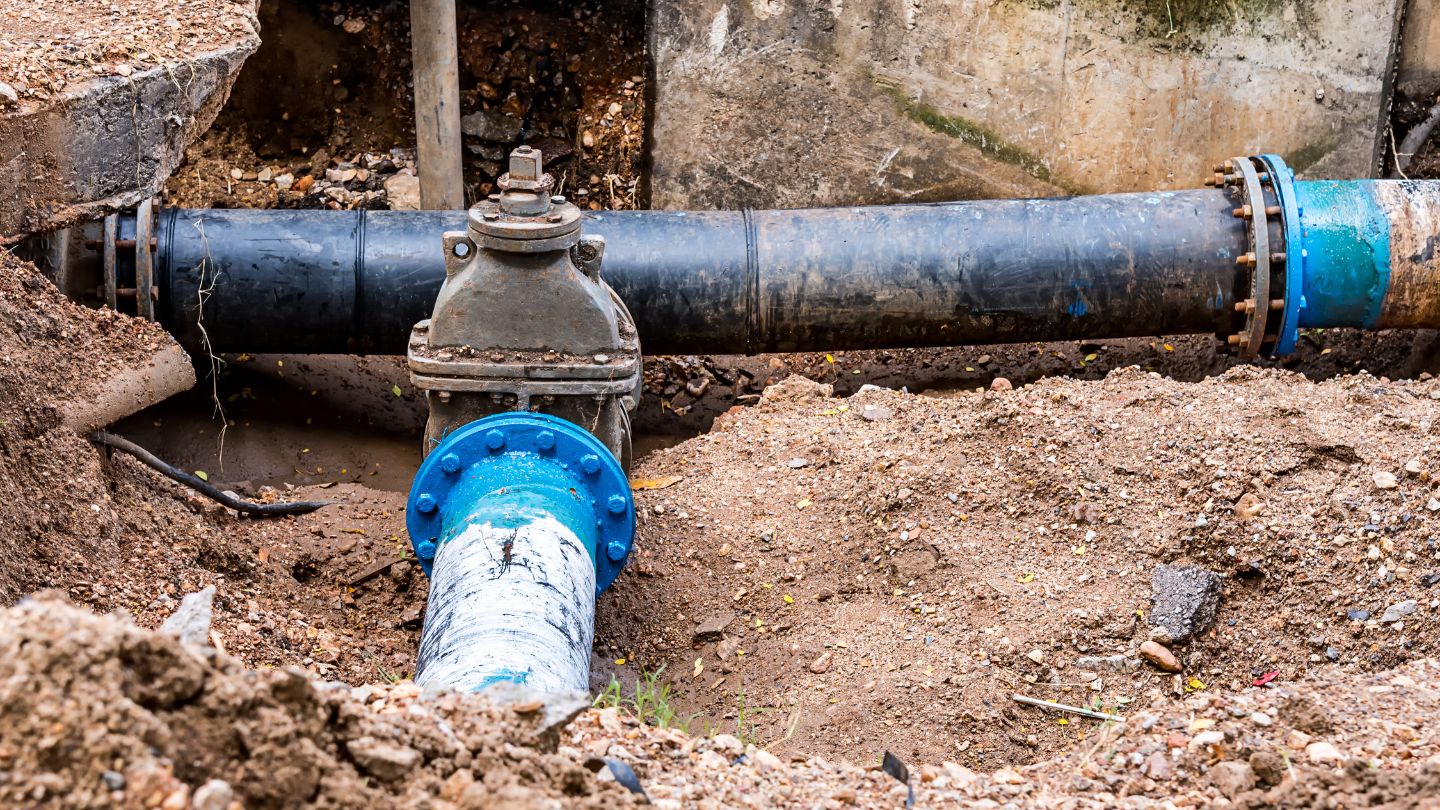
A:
{"points": [[1282, 179], [496, 452]]}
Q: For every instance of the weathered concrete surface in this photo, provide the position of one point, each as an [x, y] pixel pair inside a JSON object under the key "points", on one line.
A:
{"points": [[1418, 76], [111, 142], [833, 102]]}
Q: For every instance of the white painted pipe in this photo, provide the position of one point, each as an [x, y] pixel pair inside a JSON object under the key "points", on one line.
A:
{"points": [[510, 604]]}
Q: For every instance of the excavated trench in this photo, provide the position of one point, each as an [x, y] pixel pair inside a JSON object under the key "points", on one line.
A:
{"points": [[915, 582]]}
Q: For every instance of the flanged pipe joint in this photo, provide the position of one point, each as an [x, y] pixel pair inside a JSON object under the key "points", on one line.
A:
{"points": [[521, 512]]}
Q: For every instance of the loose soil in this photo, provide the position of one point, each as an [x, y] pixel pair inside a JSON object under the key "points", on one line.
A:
{"points": [[48, 48]]}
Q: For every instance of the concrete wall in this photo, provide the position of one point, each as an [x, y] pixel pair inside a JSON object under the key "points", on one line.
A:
{"points": [[1419, 73], [833, 102]]}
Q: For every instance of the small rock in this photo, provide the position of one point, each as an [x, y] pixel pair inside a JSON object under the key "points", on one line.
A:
{"points": [[191, 621], [713, 628], [728, 744], [1232, 778], [1160, 656], [1398, 611], [382, 760], [403, 192], [1323, 753], [215, 794], [1001, 384], [1385, 480], [1157, 766], [821, 664], [766, 761], [1184, 600], [875, 413], [1249, 506], [960, 776], [491, 126]]}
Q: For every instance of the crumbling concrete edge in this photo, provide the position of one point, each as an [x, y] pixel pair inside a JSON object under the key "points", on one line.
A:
{"points": [[110, 143]]}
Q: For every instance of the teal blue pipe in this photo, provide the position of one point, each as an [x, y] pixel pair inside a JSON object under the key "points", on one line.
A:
{"points": [[1360, 254]]}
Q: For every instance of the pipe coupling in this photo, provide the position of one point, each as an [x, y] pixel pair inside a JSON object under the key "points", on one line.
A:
{"points": [[513, 468]]}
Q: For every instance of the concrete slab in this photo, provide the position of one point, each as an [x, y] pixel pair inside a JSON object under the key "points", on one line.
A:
{"points": [[833, 102], [108, 142]]}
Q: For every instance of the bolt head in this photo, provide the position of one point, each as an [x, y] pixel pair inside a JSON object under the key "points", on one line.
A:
{"points": [[526, 164], [617, 504], [495, 439], [615, 551], [545, 440], [426, 504], [450, 463], [590, 463], [425, 549]]}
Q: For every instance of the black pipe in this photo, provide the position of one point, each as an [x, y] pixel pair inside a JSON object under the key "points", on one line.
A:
{"points": [[728, 282]]}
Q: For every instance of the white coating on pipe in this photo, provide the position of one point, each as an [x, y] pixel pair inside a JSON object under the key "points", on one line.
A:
{"points": [[513, 604]]}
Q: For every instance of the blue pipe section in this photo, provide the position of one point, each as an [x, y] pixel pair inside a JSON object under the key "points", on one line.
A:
{"points": [[1338, 259], [513, 468]]}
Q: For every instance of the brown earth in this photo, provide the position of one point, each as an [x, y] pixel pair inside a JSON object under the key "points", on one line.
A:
{"points": [[572, 85], [893, 567], [48, 47]]}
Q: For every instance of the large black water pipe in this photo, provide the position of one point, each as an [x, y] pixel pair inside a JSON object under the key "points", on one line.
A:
{"points": [[730, 282]]}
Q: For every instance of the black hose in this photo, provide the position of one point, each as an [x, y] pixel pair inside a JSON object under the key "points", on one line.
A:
{"points": [[204, 488]]}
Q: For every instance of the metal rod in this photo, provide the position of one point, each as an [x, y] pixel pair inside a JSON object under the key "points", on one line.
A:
{"points": [[434, 49], [1061, 707]]}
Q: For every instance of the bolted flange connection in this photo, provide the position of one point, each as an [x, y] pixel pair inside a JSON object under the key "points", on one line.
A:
{"points": [[505, 468], [1265, 317]]}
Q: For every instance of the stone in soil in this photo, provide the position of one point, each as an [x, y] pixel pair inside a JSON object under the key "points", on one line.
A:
{"points": [[1184, 600]]}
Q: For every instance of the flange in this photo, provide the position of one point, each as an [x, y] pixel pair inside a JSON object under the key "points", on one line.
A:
{"points": [[1262, 185], [496, 457]]}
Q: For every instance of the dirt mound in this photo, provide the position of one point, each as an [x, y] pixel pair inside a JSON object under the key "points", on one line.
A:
{"points": [[99, 713], [95, 712], [845, 576]]}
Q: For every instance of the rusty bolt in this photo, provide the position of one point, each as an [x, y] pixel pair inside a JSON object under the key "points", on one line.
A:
{"points": [[526, 164]]}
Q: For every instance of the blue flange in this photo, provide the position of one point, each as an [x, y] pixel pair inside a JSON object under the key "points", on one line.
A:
{"points": [[520, 462], [1283, 181]]}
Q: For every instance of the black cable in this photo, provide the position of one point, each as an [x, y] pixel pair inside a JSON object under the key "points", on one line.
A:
{"points": [[204, 488]]}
